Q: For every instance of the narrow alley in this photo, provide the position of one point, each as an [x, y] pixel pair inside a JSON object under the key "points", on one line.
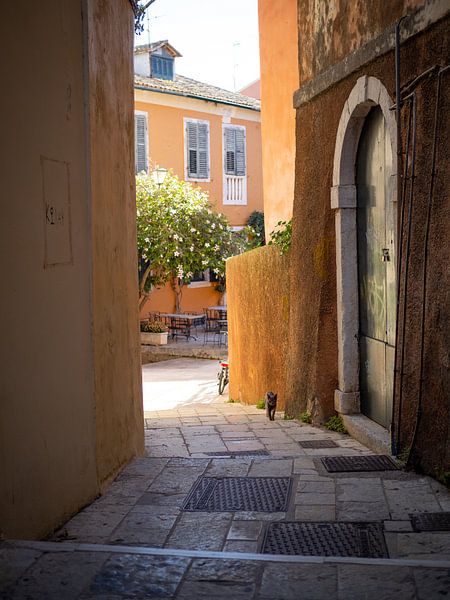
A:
{"points": [[160, 532]]}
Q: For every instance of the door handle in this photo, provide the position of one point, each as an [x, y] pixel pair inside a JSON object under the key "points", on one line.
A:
{"points": [[385, 255]]}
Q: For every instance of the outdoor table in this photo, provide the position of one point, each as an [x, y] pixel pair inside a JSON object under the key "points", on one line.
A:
{"points": [[192, 319], [188, 316]]}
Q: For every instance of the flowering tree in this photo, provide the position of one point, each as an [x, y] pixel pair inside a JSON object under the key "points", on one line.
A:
{"points": [[178, 234]]}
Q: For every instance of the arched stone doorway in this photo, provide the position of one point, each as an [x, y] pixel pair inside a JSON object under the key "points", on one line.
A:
{"points": [[361, 173]]}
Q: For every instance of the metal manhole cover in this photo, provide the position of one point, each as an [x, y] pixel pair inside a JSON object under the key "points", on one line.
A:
{"points": [[229, 494], [337, 464], [318, 444], [362, 540], [233, 453], [431, 521]]}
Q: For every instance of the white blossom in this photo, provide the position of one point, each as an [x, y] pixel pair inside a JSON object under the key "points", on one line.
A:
{"points": [[176, 253], [216, 247], [206, 245], [192, 248]]}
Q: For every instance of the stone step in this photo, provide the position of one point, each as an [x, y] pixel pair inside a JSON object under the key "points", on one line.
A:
{"points": [[74, 571]]}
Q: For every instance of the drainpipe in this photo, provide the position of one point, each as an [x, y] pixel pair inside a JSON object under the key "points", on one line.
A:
{"points": [[442, 71], [398, 107]]}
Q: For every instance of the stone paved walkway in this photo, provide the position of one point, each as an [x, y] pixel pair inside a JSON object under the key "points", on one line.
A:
{"points": [[137, 542]]}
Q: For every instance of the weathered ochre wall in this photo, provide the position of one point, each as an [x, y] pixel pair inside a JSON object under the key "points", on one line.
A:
{"points": [[118, 391], [312, 376], [278, 44], [166, 146], [331, 29], [67, 189], [258, 315]]}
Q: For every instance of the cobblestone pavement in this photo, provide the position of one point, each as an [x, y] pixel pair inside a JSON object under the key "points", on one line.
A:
{"points": [[136, 541]]}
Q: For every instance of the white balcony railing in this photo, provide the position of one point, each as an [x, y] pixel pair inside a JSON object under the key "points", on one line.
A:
{"points": [[235, 190]]}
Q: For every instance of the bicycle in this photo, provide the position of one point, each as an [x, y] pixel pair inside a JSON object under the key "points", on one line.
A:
{"points": [[223, 376]]}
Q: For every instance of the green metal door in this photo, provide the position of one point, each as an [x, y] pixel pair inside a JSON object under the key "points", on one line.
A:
{"points": [[376, 268]]}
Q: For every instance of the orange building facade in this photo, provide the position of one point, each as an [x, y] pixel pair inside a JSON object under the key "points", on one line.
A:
{"points": [[278, 44], [186, 127]]}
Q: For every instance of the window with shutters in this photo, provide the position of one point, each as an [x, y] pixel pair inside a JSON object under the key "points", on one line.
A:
{"points": [[161, 67], [234, 165], [141, 141], [234, 144], [196, 149]]}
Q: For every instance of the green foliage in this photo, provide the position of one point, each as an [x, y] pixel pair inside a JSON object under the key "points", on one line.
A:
{"points": [[154, 327], [256, 222], [336, 423], [305, 417], [139, 8], [443, 476], [404, 454], [288, 417], [232, 401], [282, 236], [178, 233], [261, 404]]}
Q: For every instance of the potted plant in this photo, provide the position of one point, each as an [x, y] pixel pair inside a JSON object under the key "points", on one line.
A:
{"points": [[222, 289], [154, 333]]}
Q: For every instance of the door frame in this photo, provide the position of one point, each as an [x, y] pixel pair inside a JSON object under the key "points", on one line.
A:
{"points": [[367, 92]]}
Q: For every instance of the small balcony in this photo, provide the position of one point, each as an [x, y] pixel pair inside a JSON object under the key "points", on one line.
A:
{"points": [[235, 189]]}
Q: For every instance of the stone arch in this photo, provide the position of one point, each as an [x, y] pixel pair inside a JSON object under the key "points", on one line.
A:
{"points": [[368, 92]]}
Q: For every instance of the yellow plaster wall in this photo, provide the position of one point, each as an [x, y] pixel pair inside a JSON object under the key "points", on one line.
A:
{"points": [[258, 319], [194, 299], [278, 41], [166, 146], [47, 413], [118, 390], [69, 395]]}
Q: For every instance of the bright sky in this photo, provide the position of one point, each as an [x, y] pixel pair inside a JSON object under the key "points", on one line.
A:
{"points": [[212, 35]]}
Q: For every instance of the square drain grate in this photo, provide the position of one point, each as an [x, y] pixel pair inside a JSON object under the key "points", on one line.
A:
{"points": [[431, 521], [318, 444], [237, 453], [362, 540], [338, 464], [229, 494]]}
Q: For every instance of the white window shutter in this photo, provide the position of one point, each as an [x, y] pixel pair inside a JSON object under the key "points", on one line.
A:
{"points": [[141, 152], [191, 141], [230, 151], [197, 149], [240, 151], [203, 151]]}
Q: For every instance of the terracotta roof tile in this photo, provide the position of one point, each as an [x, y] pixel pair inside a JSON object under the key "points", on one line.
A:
{"points": [[184, 86]]}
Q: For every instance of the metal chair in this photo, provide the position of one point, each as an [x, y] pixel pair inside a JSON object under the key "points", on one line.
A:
{"points": [[223, 332], [180, 327], [211, 326]]}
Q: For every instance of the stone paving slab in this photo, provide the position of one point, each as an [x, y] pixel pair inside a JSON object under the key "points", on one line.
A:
{"points": [[142, 509], [46, 571], [145, 505]]}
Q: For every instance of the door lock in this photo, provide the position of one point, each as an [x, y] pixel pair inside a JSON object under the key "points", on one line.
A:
{"points": [[385, 255]]}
